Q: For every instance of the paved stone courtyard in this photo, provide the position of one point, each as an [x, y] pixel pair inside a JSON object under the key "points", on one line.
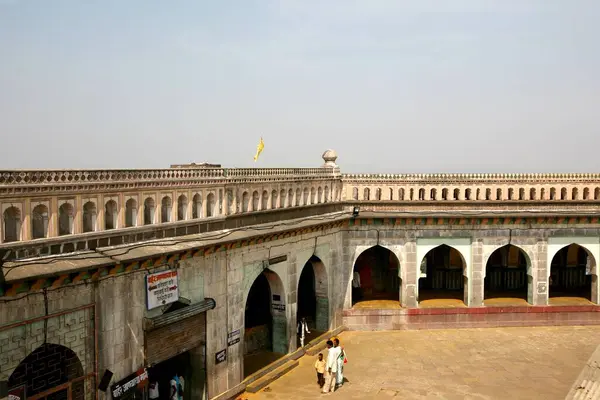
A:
{"points": [[503, 363]]}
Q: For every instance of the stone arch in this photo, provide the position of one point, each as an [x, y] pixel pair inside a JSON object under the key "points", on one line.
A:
{"points": [[197, 206], [255, 200], [443, 274], [264, 203], [467, 194], [66, 215], [305, 194], [273, 199], [586, 193], [39, 222], [149, 207], [499, 194], [421, 194], [507, 275], [111, 212], [298, 197], [282, 198], [597, 194], [376, 275], [401, 194], [521, 193], [354, 193], [573, 271], [12, 224], [433, 194], [456, 195], [265, 322], [290, 198], [532, 194], [210, 205], [47, 367], [313, 295], [326, 192], [563, 193], [319, 195], [552, 193], [367, 194], [574, 194], [130, 213], [89, 217], [313, 193], [488, 194], [444, 193], [245, 202], [166, 204], [182, 207]]}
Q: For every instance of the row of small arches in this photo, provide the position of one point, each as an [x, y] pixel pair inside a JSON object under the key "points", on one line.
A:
{"points": [[478, 194], [40, 215], [249, 202], [284, 198]]}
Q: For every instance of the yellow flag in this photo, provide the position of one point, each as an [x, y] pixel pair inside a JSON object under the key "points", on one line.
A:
{"points": [[259, 149]]}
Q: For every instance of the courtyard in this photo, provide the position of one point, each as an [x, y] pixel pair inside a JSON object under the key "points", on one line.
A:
{"points": [[490, 363]]}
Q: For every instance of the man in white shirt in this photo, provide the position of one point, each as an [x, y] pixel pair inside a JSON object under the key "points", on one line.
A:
{"points": [[333, 354]]}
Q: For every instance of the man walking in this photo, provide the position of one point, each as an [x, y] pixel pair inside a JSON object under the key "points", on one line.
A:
{"points": [[333, 353]]}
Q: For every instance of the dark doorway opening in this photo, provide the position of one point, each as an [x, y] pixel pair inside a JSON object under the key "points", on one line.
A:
{"points": [[163, 372], [571, 272], [444, 282], [506, 280], [308, 303], [377, 271], [258, 327]]}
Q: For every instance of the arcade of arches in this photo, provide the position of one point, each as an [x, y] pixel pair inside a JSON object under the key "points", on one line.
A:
{"points": [[266, 336]]}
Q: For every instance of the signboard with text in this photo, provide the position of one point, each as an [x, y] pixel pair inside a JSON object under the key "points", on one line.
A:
{"points": [[233, 337], [162, 288], [136, 381]]}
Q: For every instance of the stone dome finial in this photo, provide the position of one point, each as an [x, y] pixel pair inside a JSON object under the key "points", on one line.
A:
{"points": [[330, 156]]}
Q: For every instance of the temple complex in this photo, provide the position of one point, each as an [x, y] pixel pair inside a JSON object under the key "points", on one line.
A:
{"points": [[112, 280]]}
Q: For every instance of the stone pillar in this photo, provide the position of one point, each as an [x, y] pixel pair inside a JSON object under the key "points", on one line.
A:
{"points": [[174, 206], [26, 226], [410, 281], [477, 277], [100, 208], [53, 217], [77, 215], [537, 279], [121, 211]]}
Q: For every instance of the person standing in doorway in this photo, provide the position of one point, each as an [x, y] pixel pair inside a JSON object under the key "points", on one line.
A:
{"points": [[153, 391], [181, 387], [341, 360], [356, 295], [302, 327], [331, 367]]}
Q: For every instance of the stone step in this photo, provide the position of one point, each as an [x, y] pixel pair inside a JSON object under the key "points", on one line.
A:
{"points": [[271, 376]]}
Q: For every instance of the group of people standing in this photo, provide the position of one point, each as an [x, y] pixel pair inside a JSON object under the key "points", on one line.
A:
{"points": [[330, 372]]}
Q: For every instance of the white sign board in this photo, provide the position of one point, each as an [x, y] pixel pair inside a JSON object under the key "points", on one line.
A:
{"points": [[162, 288]]}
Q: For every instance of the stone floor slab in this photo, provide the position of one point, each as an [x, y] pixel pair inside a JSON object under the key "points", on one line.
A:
{"points": [[479, 364]]}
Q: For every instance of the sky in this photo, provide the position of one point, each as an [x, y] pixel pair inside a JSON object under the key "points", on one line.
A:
{"points": [[393, 86]]}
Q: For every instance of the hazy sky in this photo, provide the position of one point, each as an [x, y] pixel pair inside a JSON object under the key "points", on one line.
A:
{"points": [[392, 86]]}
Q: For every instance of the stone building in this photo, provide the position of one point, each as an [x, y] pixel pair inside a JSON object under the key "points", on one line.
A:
{"points": [[112, 279]]}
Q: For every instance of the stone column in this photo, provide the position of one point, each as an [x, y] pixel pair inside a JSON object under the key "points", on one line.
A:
{"points": [[537, 285], [100, 208], [53, 218], [477, 277], [121, 211], [410, 281], [77, 215], [26, 226]]}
